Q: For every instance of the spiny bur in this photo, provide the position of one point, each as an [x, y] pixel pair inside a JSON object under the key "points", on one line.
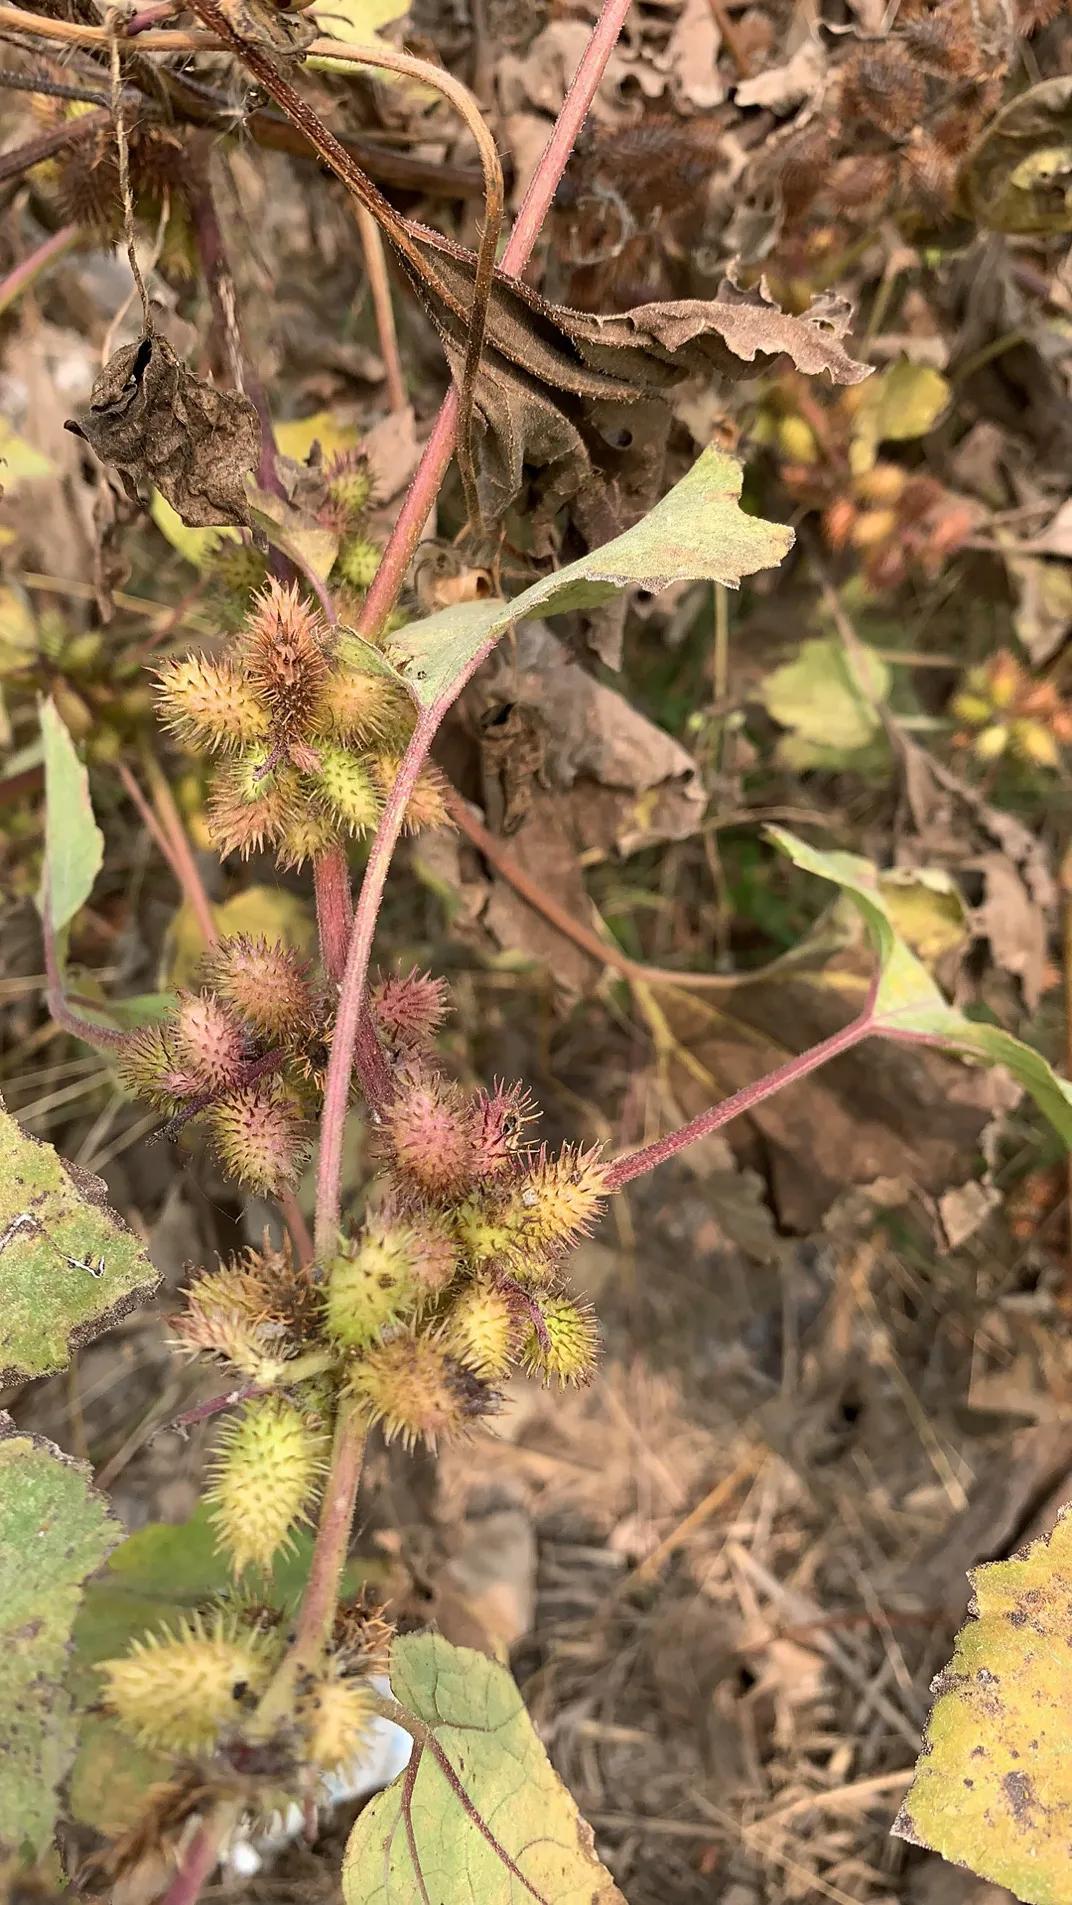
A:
{"points": [[284, 658], [482, 1330], [357, 561], [260, 1136], [209, 704], [334, 1718], [408, 1012], [181, 1690], [267, 1464], [428, 1132], [208, 1039], [266, 982], [566, 1344], [346, 788], [415, 1390], [350, 491], [371, 1284]]}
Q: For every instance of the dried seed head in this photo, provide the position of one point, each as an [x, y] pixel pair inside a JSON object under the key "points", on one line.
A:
{"points": [[502, 1118], [266, 982], [208, 1039], [345, 787], [181, 1690], [413, 1389], [482, 1331], [370, 1285], [428, 1130], [434, 1251], [209, 704], [284, 657], [567, 1347], [408, 1012], [253, 803], [232, 1313], [334, 1716], [260, 1137], [265, 1471]]}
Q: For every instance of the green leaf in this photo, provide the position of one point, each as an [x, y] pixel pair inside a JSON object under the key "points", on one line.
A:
{"points": [[821, 696], [74, 844], [194, 545], [153, 1578], [54, 1530], [698, 530], [51, 1212], [527, 1846], [909, 1003], [993, 1785]]}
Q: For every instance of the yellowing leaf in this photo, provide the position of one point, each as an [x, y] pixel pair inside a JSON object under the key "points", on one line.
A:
{"points": [[899, 404], [19, 461], [993, 1785], [54, 1531], [698, 530], [909, 1004], [267, 912], [18, 632], [297, 437], [358, 21], [1018, 177], [925, 909], [821, 696], [195, 545], [518, 1837], [74, 844]]}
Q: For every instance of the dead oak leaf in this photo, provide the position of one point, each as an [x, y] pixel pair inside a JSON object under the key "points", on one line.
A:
{"points": [[161, 427]]}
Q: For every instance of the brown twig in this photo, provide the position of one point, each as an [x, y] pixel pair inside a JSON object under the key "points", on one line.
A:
{"points": [[380, 289], [26, 273], [186, 867]]}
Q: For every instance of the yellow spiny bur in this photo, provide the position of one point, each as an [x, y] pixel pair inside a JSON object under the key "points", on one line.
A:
{"points": [[180, 1690], [208, 703], [569, 1346], [482, 1331], [410, 1388], [334, 1718], [345, 786], [267, 1463], [371, 1283]]}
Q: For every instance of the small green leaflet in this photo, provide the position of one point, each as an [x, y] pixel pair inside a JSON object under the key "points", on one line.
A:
{"points": [[993, 1786], [697, 531], [69, 1268], [908, 1002], [54, 1531], [521, 1841], [74, 844]]}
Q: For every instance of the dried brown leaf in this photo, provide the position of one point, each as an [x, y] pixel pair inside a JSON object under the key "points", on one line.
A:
{"points": [[162, 427]]}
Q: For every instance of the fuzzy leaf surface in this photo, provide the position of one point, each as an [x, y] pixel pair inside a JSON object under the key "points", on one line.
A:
{"points": [[698, 531], [820, 697], [908, 1000], [521, 1837], [993, 1785], [50, 1211], [74, 844], [54, 1530]]}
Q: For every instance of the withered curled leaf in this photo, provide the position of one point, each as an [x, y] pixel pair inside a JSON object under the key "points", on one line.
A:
{"points": [[162, 427]]}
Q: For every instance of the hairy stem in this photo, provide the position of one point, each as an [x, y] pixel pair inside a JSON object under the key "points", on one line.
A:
{"points": [[334, 909], [201, 1856], [636, 1163], [23, 275], [439, 448], [378, 604]]}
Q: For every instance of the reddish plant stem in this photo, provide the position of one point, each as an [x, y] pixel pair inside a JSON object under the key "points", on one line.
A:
{"points": [[380, 290], [105, 1038], [439, 448], [182, 857], [636, 1163], [200, 1858], [334, 909], [378, 604], [23, 275]]}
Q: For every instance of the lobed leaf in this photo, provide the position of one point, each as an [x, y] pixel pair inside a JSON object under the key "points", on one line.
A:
{"points": [[74, 844], [518, 1838], [51, 1213], [820, 697], [993, 1785], [698, 531], [54, 1531], [909, 1004]]}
